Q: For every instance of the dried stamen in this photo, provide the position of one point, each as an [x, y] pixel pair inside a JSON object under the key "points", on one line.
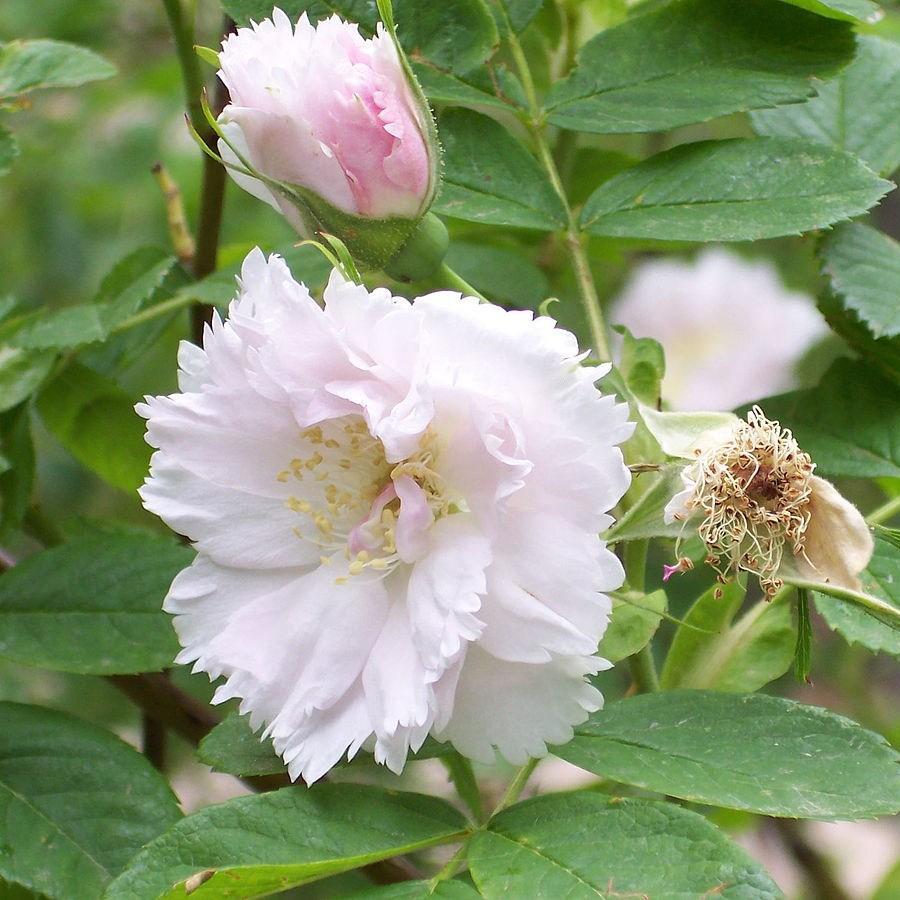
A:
{"points": [[753, 492]]}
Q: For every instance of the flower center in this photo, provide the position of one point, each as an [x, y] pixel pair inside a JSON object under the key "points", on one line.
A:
{"points": [[351, 502], [754, 492]]}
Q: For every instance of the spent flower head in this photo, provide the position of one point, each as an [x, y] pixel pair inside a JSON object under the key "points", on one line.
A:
{"points": [[758, 502]]}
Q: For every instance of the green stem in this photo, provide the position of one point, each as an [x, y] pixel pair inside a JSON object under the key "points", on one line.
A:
{"points": [[463, 777], [884, 512], [183, 33], [456, 282], [635, 562], [516, 786], [179, 301], [574, 238], [214, 177], [882, 611], [451, 868], [641, 664], [643, 670]]}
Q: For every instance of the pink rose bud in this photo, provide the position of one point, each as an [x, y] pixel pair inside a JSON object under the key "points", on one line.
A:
{"points": [[333, 127]]}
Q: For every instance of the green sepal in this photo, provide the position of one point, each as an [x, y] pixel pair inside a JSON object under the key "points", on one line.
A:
{"points": [[208, 55], [422, 254]]}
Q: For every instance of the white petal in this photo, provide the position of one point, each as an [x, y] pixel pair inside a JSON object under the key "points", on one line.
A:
{"points": [[517, 707], [394, 677], [838, 543], [231, 527], [445, 588]]}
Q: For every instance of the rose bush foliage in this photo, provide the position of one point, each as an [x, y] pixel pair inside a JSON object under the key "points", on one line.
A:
{"points": [[502, 465]]}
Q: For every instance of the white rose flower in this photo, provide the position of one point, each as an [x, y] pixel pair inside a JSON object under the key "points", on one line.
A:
{"points": [[731, 331], [396, 508]]}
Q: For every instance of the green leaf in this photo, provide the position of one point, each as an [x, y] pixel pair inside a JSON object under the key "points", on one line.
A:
{"points": [[465, 783], [94, 419], [587, 845], [643, 366], [15, 482], [232, 747], [881, 353], [693, 60], [881, 579], [455, 34], [270, 842], [644, 519], [490, 177], [31, 65], [803, 647], [9, 149], [863, 268], [849, 423], [889, 888], [632, 625], [21, 373], [76, 802], [847, 10], [749, 751], [443, 87], [504, 276], [858, 111], [86, 323], [419, 890], [737, 656], [733, 190], [92, 605], [145, 278]]}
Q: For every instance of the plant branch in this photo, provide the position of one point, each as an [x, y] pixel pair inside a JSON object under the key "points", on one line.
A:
{"points": [[179, 231], [212, 192], [183, 33], [153, 742], [885, 512], [643, 670], [816, 869], [516, 786], [574, 239], [641, 664], [457, 283], [881, 610]]}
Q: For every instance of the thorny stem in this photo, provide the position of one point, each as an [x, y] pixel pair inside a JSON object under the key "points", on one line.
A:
{"points": [[884, 512], [574, 238]]}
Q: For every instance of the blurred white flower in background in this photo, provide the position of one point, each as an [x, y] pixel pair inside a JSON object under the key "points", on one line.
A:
{"points": [[731, 331]]}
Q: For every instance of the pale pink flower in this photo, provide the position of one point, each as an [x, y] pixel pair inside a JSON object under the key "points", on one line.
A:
{"points": [[323, 108], [396, 508], [730, 329]]}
